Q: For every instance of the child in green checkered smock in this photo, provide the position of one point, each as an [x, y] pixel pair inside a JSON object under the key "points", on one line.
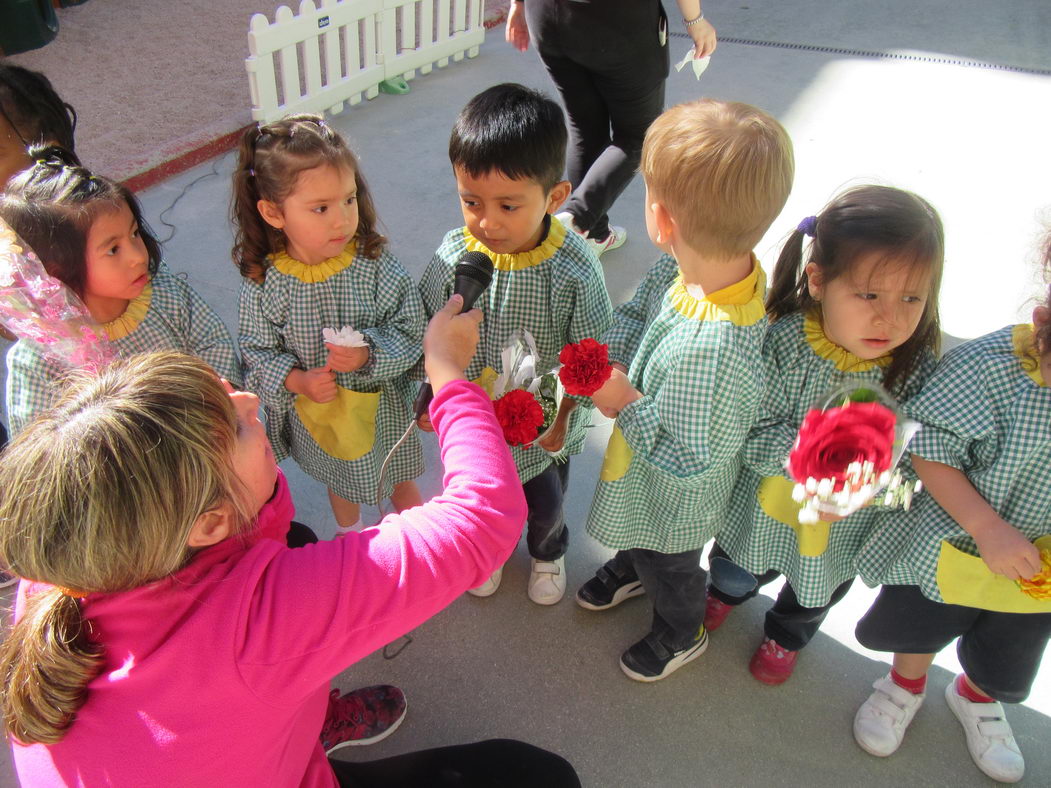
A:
{"points": [[88, 232], [687, 381], [508, 152], [972, 559], [312, 259], [860, 306]]}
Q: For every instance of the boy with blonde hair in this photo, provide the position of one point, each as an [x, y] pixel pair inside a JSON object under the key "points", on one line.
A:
{"points": [[687, 381]]}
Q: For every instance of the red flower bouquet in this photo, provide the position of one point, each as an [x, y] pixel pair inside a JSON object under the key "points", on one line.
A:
{"points": [[846, 451], [520, 416], [585, 367]]}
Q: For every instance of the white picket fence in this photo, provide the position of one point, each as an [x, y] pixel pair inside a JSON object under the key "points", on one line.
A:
{"points": [[337, 51]]}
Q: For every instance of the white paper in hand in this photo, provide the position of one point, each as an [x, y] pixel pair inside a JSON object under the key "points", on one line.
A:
{"points": [[699, 64], [345, 337]]}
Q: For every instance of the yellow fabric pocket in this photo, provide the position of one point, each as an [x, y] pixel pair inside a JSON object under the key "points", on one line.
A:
{"points": [[775, 498], [618, 457], [486, 380], [964, 579], [344, 428]]}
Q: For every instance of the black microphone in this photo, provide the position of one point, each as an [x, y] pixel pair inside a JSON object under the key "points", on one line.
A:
{"points": [[472, 275]]}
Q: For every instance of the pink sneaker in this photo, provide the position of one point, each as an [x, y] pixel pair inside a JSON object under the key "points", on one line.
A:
{"points": [[715, 613], [364, 716], [772, 664]]}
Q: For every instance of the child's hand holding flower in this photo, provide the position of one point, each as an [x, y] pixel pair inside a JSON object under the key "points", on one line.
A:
{"points": [[615, 394], [346, 359], [1007, 551], [348, 350]]}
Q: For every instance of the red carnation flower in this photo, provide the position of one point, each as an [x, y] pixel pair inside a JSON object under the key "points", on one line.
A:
{"points": [[585, 367], [520, 416], [831, 440]]}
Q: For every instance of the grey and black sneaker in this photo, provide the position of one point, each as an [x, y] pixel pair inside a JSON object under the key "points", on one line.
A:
{"points": [[608, 589], [651, 660]]}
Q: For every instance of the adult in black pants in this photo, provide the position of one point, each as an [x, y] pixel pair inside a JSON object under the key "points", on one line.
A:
{"points": [[495, 763], [609, 60]]}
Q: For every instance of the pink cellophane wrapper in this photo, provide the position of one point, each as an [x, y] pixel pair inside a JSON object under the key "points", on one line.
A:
{"points": [[39, 309]]}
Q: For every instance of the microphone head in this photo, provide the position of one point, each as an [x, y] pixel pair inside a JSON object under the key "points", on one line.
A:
{"points": [[476, 266]]}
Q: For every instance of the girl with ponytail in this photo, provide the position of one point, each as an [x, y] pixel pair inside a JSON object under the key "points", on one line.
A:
{"points": [[89, 233], [857, 304]]}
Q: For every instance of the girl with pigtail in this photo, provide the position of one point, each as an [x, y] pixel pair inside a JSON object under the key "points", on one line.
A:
{"points": [[89, 233], [329, 320], [859, 305]]}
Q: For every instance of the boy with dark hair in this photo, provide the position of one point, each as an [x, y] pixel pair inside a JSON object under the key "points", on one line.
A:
{"points": [[508, 150]]}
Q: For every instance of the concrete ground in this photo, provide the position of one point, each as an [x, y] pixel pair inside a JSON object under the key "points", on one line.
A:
{"points": [[969, 137]]}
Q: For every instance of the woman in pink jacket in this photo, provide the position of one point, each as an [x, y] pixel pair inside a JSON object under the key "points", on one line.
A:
{"points": [[162, 609]]}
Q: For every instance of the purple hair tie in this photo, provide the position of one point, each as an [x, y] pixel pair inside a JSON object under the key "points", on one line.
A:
{"points": [[808, 226]]}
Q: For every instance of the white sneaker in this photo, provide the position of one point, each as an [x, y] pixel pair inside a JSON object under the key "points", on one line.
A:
{"points": [[616, 238], [879, 725], [547, 580], [488, 588], [989, 737]]}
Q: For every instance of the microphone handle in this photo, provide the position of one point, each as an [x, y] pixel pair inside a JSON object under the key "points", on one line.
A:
{"points": [[470, 290]]}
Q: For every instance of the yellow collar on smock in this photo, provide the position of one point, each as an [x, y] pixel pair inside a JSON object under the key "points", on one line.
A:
{"points": [[740, 303], [318, 272], [556, 235], [844, 360], [120, 327], [1023, 337]]}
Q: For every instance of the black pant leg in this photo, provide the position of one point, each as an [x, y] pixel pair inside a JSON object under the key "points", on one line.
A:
{"points": [[495, 762], [675, 584], [546, 534], [791, 624]]}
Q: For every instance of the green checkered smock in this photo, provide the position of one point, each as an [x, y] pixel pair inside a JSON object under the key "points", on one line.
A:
{"points": [[674, 454], [280, 328], [168, 315], [987, 412], [763, 533], [556, 291]]}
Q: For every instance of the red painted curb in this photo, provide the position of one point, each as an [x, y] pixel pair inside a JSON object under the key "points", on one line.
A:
{"points": [[181, 163]]}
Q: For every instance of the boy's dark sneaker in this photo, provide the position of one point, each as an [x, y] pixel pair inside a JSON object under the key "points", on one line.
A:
{"points": [[651, 660], [608, 589], [364, 716]]}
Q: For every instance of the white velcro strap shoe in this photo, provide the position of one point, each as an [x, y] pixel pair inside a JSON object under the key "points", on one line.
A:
{"points": [[990, 739], [879, 725], [547, 581]]}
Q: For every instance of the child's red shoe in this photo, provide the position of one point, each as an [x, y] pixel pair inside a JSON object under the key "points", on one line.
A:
{"points": [[772, 664], [715, 612]]}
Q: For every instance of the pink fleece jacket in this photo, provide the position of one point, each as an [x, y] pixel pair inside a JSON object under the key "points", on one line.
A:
{"points": [[219, 674]]}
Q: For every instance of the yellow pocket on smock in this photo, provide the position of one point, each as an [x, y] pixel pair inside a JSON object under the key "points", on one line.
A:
{"points": [[964, 579], [775, 498], [344, 428], [486, 380], [617, 458]]}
